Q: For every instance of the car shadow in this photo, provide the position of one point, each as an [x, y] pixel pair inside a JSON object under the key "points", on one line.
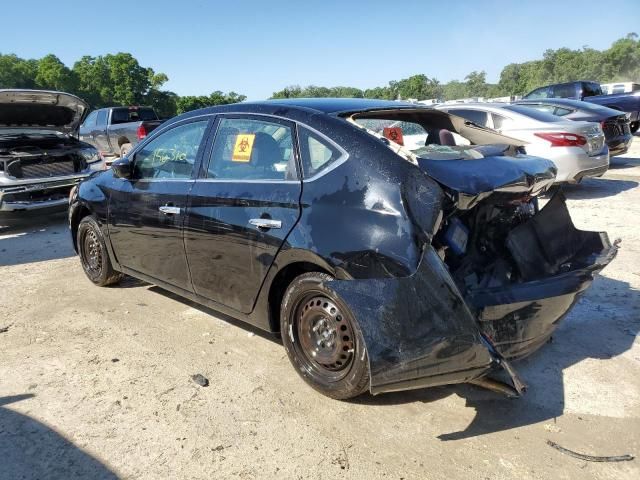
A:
{"points": [[618, 163], [32, 450], [597, 188], [34, 239], [214, 313]]}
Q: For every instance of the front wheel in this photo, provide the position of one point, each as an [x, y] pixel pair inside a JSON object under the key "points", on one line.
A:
{"points": [[634, 126], [93, 254], [322, 338]]}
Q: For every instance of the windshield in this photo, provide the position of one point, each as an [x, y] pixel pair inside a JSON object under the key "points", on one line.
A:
{"points": [[532, 113]]}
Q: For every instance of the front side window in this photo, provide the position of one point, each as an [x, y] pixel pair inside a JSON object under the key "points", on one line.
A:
{"points": [[248, 149], [102, 118], [317, 153], [171, 155], [90, 121]]}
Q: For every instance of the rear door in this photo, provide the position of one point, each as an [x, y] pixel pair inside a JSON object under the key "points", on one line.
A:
{"points": [[146, 212], [242, 207]]}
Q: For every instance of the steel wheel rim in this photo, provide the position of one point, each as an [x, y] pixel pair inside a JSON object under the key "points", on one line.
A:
{"points": [[92, 253], [325, 336]]}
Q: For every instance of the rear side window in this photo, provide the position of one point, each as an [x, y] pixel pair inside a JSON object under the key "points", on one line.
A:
{"points": [[317, 153], [500, 122], [248, 149], [591, 89], [561, 112], [475, 116], [567, 90]]}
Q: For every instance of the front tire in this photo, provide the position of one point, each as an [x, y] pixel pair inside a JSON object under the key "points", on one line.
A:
{"points": [[634, 127], [322, 338], [93, 254]]}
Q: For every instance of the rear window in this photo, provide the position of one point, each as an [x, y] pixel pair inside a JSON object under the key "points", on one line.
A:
{"points": [[532, 113], [124, 115]]}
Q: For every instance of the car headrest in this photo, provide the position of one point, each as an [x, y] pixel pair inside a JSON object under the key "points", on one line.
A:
{"points": [[265, 152]]}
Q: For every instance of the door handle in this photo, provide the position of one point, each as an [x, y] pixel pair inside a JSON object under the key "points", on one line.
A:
{"points": [[169, 210], [265, 223]]}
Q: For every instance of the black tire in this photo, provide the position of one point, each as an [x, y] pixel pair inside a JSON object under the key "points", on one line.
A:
{"points": [[322, 338], [634, 126], [93, 254], [125, 148]]}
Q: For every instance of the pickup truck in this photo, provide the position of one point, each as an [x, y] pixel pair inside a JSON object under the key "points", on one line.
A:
{"points": [[592, 92], [114, 131]]}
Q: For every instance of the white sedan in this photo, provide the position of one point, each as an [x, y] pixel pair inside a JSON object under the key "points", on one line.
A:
{"points": [[578, 149]]}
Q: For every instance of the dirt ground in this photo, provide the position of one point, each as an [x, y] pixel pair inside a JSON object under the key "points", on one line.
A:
{"points": [[95, 383]]}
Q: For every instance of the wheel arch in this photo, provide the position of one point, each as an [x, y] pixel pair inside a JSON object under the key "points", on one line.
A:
{"points": [[122, 140], [77, 214], [281, 282]]}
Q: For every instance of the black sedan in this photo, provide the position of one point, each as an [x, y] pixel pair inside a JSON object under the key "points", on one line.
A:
{"points": [[382, 267], [614, 123]]}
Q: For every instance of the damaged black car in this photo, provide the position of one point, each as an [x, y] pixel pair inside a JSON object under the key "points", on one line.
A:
{"points": [[391, 246]]}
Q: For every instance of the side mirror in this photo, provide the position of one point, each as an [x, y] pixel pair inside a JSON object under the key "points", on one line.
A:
{"points": [[122, 168]]}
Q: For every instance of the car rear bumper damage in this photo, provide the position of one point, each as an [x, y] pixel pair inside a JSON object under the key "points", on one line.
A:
{"points": [[422, 331]]}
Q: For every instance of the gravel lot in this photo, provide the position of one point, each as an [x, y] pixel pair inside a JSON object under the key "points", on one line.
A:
{"points": [[95, 383]]}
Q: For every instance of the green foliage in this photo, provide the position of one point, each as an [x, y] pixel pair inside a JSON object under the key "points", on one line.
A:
{"points": [[109, 80], [618, 63], [188, 103]]}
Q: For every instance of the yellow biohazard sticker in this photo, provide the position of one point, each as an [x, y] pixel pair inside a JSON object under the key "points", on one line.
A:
{"points": [[242, 148]]}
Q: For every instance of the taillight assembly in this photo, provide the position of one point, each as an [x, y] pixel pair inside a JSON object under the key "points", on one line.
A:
{"points": [[561, 139], [142, 132]]}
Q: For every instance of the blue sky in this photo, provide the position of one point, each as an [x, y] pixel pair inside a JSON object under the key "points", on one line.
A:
{"points": [[256, 48]]}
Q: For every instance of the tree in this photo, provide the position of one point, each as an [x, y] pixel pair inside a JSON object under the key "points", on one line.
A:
{"points": [[52, 74]]}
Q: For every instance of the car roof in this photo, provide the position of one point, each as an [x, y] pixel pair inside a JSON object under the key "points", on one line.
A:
{"points": [[337, 105], [575, 104]]}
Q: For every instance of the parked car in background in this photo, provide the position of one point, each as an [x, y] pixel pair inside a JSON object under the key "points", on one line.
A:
{"points": [[114, 131], [614, 123], [620, 87], [382, 268], [578, 149], [592, 92], [40, 157]]}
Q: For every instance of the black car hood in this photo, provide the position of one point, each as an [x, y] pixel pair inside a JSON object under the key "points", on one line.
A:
{"points": [[41, 110], [474, 180]]}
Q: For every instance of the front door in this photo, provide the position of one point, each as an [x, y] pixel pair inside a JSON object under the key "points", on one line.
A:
{"points": [[241, 212], [146, 213]]}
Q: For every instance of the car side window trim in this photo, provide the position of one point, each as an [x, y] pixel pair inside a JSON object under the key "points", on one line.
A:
{"points": [[201, 148], [214, 130], [344, 156]]}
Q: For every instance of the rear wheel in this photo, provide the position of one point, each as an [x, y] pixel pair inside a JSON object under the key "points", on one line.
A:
{"points": [[634, 126], [322, 338], [93, 254]]}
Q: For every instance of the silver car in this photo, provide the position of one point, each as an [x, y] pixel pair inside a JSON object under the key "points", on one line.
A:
{"points": [[41, 158], [578, 149]]}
